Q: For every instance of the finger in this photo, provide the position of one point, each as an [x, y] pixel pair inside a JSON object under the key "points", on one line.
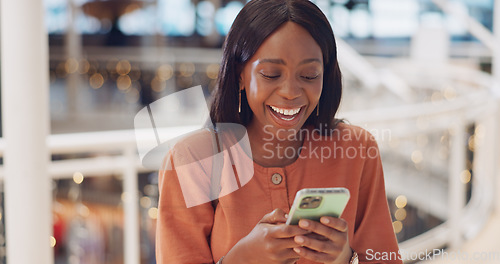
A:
{"points": [[281, 244], [317, 237], [288, 244], [335, 223], [274, 217], [289, 255], [326, 231], [292, 260], [322, 246], [288, 231], [314, 255]]}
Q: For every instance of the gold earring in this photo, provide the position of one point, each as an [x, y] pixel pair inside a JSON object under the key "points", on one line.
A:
{"points": [[239, 102], [317, 110]]}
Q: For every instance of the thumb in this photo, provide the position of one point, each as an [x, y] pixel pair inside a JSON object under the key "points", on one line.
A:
{"points": [[274, 217]]}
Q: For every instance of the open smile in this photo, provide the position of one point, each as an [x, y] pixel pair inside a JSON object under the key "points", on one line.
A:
{"points": [[286, 116]]}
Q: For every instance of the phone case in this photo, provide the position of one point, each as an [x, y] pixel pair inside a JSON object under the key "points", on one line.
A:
{"points": [[317, 202]]}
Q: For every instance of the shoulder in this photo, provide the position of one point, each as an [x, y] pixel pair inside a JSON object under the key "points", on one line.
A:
{"points": [[206, 143], [195, 146], [357, 133], [186, 149], [352, 142], [350, 134]]}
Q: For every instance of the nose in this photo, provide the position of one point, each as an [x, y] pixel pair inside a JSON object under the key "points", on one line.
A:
{"points": [[290, 89]]}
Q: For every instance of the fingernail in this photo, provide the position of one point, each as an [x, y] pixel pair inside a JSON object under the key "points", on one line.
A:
{"points": [[303, 223], [325, 220], [296, 250], [299, 239], [286, 215]]}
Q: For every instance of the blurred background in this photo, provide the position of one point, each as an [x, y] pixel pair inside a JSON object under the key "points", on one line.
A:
{"points": [[418, 74]]}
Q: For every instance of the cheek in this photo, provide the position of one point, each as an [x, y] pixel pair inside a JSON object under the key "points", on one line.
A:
{"points": [[253, 88], [314, 92], [256, 92]]}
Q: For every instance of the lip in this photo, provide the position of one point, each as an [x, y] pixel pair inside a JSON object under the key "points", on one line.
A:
{"points": [[283, 122]]}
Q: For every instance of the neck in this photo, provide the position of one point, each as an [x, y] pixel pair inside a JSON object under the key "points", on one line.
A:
{"points": [[272, 147]]}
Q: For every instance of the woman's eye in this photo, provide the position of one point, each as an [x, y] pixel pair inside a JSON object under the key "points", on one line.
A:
{"points": [[310, 77], [270, 76]]}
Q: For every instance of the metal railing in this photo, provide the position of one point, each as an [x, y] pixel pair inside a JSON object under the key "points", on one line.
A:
{"points": [[477, 106]]}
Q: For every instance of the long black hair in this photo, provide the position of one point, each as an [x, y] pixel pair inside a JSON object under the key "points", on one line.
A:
{"points": [[255, 22]]}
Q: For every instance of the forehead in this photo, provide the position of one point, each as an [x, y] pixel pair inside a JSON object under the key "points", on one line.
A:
{"points": [[290, 42]]}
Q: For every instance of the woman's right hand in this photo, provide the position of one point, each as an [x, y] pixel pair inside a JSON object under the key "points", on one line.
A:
{"points": [[271, 241]]}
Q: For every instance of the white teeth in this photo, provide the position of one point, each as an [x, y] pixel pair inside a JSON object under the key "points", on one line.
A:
{"points": [[288, 112]]}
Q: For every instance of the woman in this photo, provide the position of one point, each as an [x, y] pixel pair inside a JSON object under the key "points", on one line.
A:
{"points": [[279, 78]]}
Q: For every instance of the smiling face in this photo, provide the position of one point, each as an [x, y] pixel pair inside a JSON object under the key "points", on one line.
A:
{"points": [[283, 80]]}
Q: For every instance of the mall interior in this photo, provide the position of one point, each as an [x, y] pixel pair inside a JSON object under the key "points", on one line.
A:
{"points": [[423, 76]]}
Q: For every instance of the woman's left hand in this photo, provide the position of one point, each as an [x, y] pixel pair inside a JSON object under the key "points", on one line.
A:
{"points": [[330, 245]]}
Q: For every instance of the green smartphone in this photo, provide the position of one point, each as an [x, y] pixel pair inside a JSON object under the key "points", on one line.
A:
{"points": [[314, 203]]}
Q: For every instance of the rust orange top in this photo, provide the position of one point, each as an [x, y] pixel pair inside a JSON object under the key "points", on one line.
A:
{"points": [[202, 234]]}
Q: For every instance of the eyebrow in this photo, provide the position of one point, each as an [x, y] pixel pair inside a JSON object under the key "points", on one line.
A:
{"points": [[282, 62]]}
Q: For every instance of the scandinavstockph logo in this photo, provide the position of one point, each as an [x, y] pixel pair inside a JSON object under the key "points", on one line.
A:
{"points": [[176, 133]]}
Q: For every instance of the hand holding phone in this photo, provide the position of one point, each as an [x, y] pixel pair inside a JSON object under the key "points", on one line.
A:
{"points": [[317, 202]]}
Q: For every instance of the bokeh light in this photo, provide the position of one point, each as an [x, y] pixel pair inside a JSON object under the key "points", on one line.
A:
{"points": [[78, 177], [401, 201]]}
